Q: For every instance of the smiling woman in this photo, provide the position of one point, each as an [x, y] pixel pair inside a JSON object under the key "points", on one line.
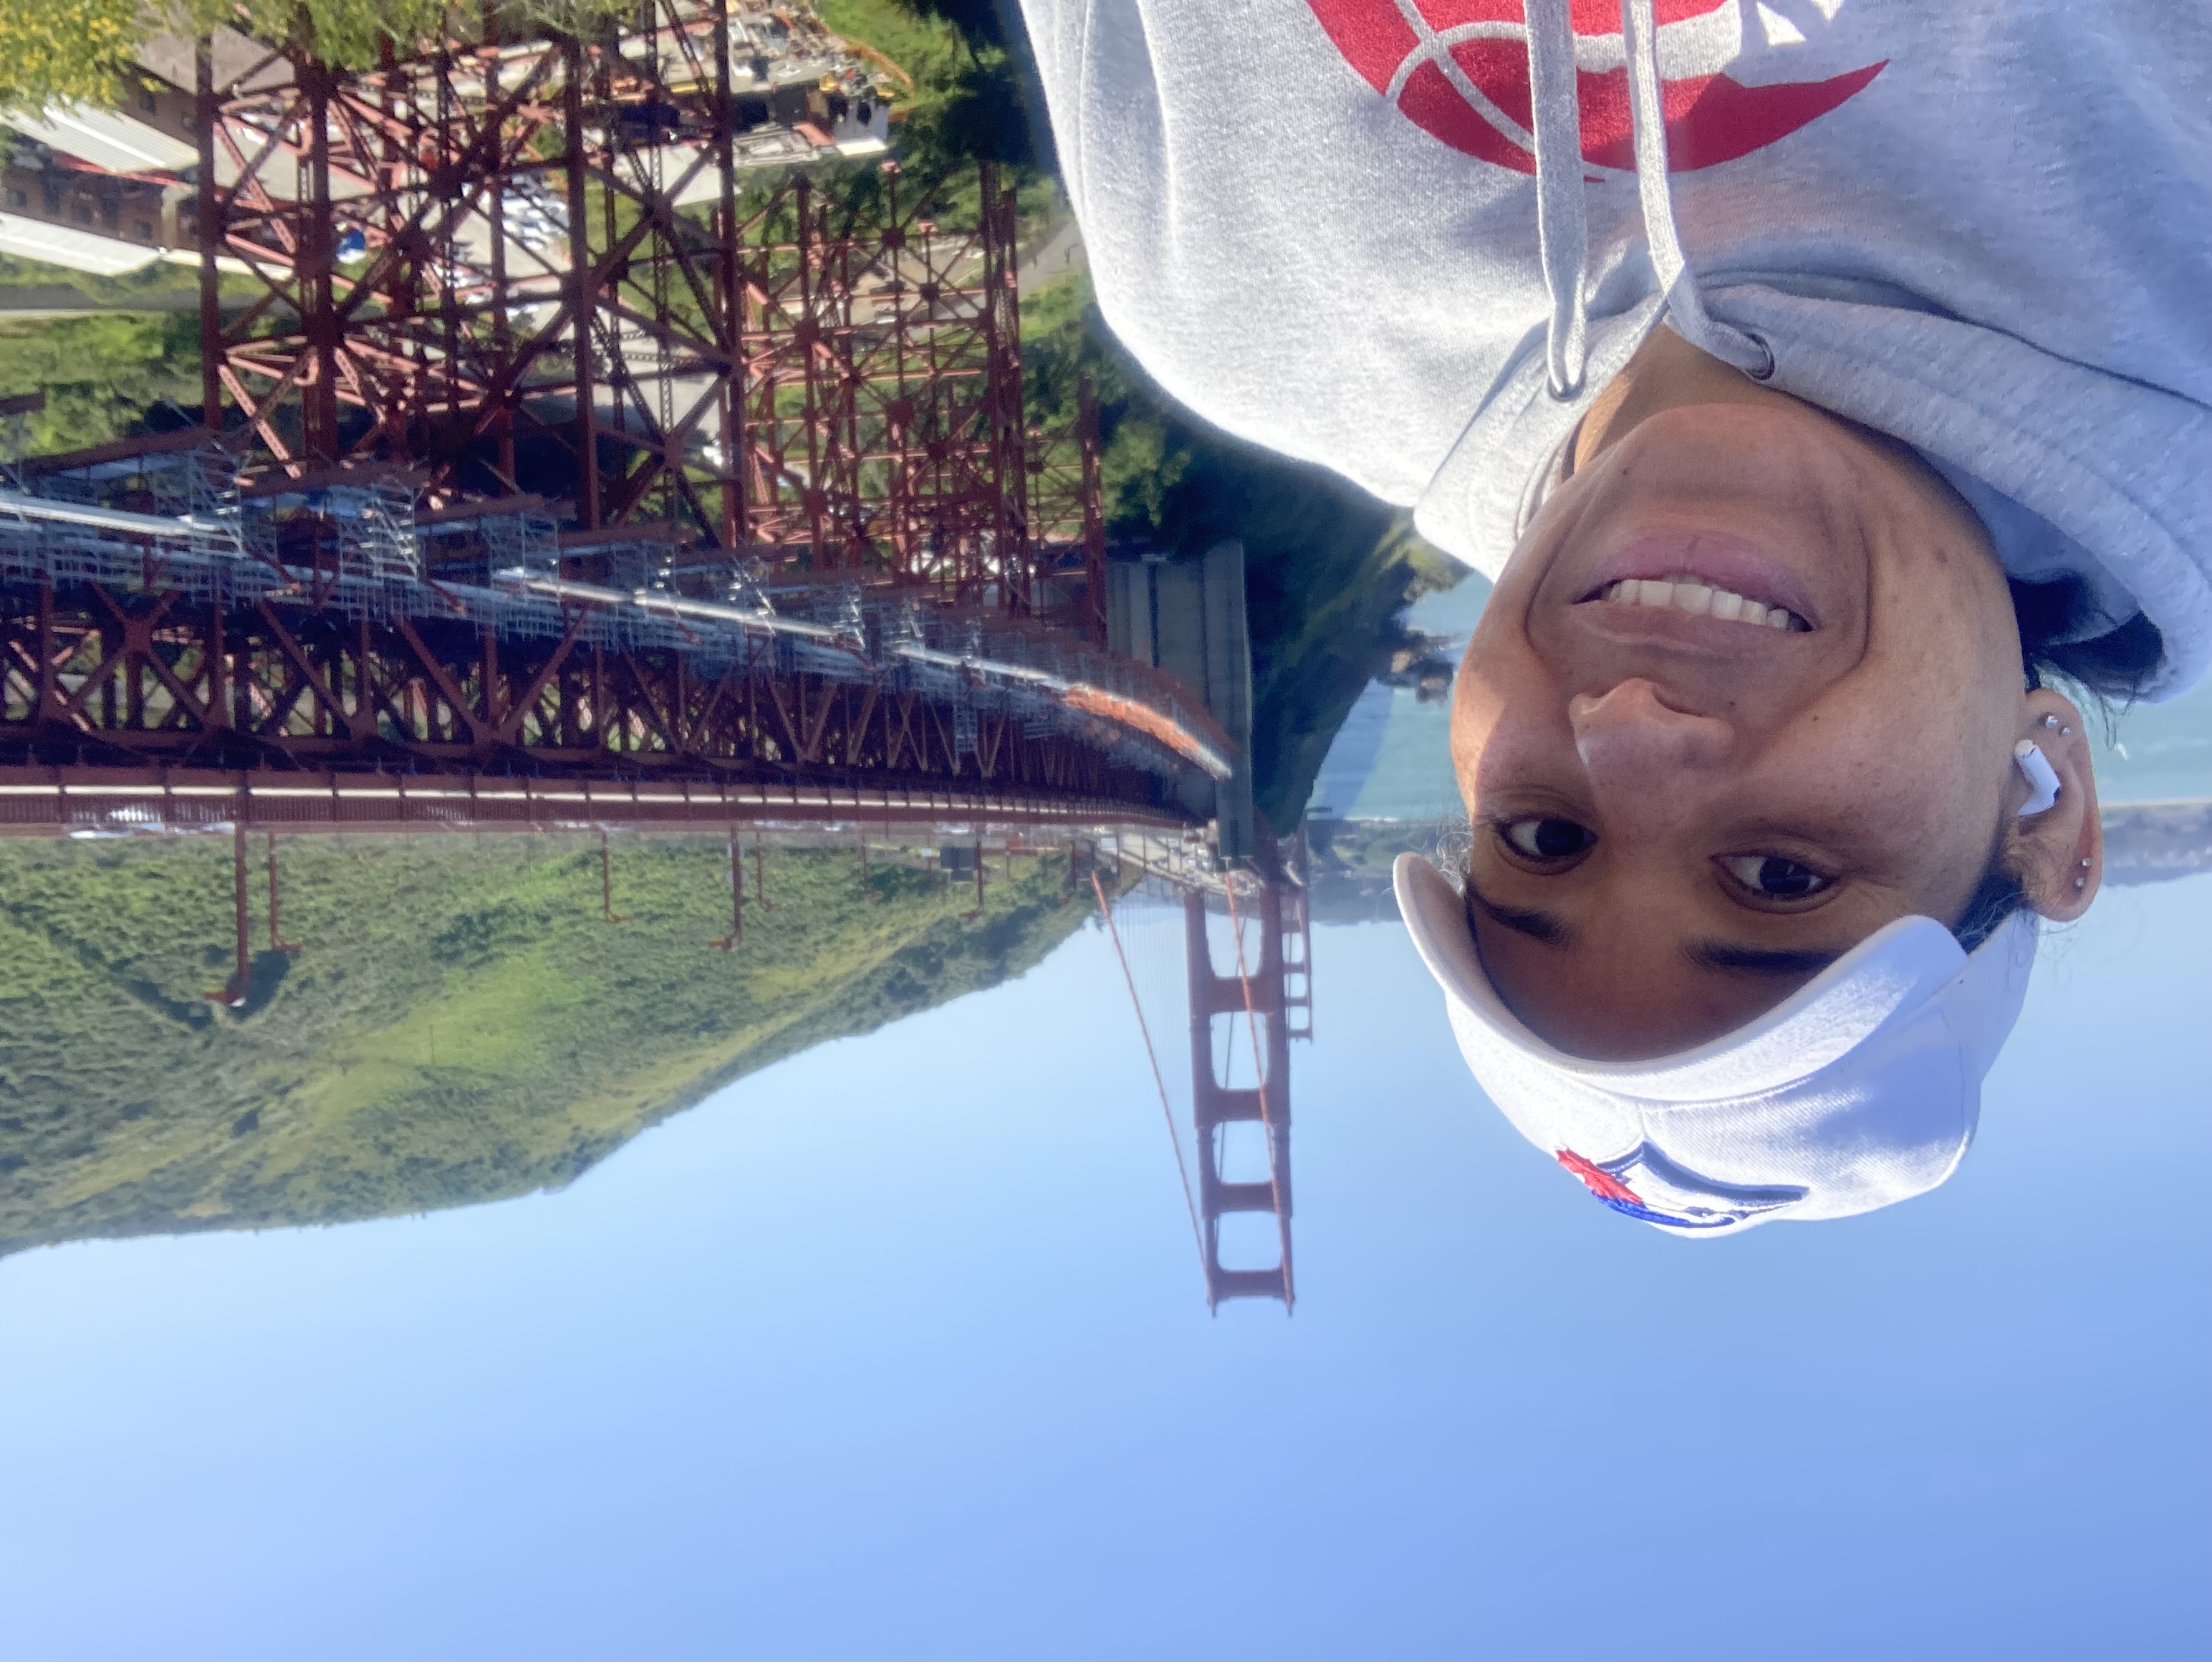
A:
{"points": [[1825, 388], [1748, 690]]}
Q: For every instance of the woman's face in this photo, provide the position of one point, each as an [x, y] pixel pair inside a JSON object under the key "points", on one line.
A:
{"points": [[1681, 813]]}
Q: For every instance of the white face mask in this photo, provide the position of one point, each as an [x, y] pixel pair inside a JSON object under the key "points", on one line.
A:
{"points": [[1861, 1089]]}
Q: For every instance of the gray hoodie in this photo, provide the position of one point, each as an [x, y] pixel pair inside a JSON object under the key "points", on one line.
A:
{"points": [[1984, 229]]}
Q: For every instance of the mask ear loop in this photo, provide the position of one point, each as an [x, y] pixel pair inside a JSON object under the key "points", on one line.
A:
{"points": [[2042, 778]]}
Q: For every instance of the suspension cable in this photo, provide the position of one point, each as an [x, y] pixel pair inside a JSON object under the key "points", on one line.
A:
{"points": [[1167, 1114]]}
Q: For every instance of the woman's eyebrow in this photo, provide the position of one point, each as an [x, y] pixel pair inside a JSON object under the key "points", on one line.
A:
{"points": [[1732, 959], [1545, 927]]}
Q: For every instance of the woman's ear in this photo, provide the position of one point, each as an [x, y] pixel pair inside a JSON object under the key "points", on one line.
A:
{"points": [[2058, 854]]}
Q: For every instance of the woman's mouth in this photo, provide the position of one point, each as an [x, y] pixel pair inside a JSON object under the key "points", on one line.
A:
{"points": [[1704, 574], [1687, 592]]}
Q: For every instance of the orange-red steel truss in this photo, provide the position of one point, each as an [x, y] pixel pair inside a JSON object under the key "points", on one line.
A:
{"points": [[505, 251], [92, 674], [1256, 992]]}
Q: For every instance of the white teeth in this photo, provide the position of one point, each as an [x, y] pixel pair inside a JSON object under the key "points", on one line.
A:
{"points": [[1687, 593]]}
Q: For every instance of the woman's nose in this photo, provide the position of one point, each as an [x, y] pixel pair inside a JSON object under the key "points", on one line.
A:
{"points": [[1639, 751]]}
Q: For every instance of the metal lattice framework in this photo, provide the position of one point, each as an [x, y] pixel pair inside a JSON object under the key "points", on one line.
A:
{"points": [[567, 439], [558, 243], [149, 607], [106, 674], [1261, 992]]}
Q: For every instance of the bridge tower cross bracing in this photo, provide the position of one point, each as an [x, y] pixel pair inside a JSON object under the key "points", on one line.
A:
{"points": [[1257, 997], [552, 246]]}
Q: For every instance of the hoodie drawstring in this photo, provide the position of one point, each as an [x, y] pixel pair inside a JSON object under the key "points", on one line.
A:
{"points": [[1562, 226]]}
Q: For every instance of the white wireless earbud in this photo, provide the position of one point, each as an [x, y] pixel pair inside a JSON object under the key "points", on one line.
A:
{"points": [[2042, 779]]}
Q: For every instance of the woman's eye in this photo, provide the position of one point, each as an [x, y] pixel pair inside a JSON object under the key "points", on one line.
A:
{"points": [[1772, 878], [1546, 839]]}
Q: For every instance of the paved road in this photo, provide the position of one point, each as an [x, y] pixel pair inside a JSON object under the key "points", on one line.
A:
{"points": [[1055, 257], [28, 304]]}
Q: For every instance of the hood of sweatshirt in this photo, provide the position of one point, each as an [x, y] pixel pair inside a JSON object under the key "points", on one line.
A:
{"points": [[1409, 240]]}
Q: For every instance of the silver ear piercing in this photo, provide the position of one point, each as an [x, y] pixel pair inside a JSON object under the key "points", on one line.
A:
{"points": [[2051, 721]]}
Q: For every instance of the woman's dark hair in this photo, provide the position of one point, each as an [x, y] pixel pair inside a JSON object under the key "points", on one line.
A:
{"points": [[1995, 898], [2111, 668], [2108, 670]]}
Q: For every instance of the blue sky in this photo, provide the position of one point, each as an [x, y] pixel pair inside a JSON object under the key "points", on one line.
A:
{"points": [[898, 1349]]}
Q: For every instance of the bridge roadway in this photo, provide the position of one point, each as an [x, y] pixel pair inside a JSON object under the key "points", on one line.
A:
{"points": [[94, 800], [207, 640]]}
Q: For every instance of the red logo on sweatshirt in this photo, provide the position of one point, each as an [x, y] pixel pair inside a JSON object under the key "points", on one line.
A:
{"points": [[1459, 69]]}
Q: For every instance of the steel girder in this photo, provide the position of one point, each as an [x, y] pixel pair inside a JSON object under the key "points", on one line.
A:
{"points": [[486, 246], [94, 673]]}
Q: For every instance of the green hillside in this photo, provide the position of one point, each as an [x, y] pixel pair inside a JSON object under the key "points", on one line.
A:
{"points": [[461, 1025]]}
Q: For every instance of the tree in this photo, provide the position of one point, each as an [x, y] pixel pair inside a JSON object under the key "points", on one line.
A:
{"points": [[82, 52], [349, 33], [1327, 569], [66, 50]]}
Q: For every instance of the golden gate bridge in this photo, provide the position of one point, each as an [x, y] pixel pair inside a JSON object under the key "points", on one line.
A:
{"points": [[558, 468]]}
